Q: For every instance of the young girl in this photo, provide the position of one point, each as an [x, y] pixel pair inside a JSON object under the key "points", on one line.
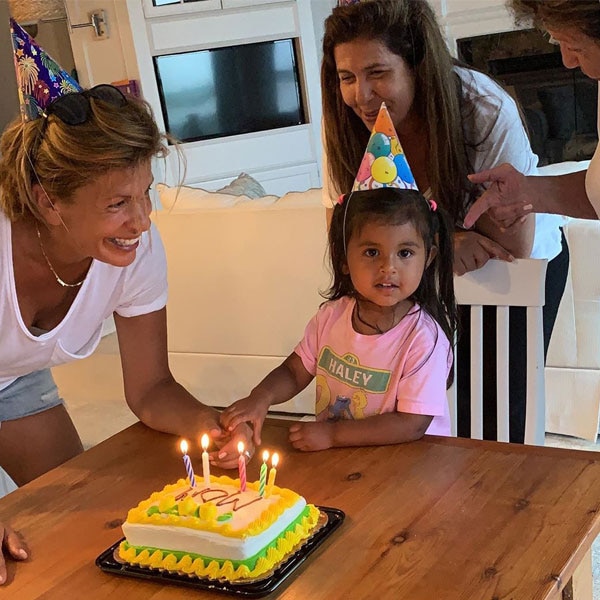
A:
{"points": [[380, 348]]}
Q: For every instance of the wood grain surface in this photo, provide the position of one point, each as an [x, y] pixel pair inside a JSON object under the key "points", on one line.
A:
{"points": [[441, 518]]}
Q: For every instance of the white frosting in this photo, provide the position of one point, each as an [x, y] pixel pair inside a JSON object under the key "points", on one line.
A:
{"points": [[208, 543]]}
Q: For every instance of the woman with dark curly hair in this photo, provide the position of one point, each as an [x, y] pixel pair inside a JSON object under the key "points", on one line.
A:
{"points": [[512, 196]]}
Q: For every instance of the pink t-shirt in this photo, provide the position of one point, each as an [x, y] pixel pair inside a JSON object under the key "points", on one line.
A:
{"points": [[357, 376]]}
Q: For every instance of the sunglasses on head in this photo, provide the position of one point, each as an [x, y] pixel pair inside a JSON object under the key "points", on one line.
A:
{"points": [[75, 109]]}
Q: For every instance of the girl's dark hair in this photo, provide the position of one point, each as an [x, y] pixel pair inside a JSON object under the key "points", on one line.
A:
{"points": [[392, 206], [407, 28], [583, 15]]}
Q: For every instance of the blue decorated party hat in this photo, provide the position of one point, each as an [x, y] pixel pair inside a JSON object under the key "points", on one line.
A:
{"points": [[384, 163], [40, 79]]}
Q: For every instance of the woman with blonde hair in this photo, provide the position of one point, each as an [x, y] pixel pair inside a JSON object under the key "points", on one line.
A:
{"points": [[451, 121], [77, 246]]}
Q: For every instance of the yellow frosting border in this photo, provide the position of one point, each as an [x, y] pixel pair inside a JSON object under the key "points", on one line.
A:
{"points": [[287, 499], [213, 570]]}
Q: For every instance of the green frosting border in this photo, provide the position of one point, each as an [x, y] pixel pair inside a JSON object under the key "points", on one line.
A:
{"points": [[248, 562]]}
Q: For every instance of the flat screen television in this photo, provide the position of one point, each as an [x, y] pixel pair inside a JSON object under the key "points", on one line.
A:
{"points": [[228, 91]]}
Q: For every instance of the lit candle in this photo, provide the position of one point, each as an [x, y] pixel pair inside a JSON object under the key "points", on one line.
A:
{"points": [[205, 464], [263, 474], [242, 467], [188, 463], [272, 473]]}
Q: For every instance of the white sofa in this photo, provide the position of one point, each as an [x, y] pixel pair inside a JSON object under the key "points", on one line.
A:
{"points": [[244, 279]]}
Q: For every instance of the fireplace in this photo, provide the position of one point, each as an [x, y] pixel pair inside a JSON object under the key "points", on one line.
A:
{"points": [[558, 104]]}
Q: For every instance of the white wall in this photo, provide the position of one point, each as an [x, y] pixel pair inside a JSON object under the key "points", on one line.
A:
{"points": [[286, 159], [127, 54], [295, 156], [102, 60], [321, 9]]}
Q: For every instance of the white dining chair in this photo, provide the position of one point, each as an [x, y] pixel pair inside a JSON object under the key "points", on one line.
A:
{"points": [[503, 285]]}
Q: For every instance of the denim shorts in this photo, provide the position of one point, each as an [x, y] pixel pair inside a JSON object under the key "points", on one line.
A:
{"points": [[28, 395]]}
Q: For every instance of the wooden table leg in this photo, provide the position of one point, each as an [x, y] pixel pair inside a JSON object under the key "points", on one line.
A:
{"points": [[581, 585]]}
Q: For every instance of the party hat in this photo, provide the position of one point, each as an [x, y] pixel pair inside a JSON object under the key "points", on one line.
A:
{"points": [[40, 79], [384, 163]]}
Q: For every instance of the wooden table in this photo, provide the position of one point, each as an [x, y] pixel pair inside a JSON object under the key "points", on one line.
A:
{"points": [[434, 519]]}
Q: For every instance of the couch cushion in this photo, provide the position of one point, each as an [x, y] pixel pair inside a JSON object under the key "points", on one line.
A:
{"points": [[190, 199], [244, 280], [185, 199]]}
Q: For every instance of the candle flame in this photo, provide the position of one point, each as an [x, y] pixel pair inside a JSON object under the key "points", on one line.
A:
{"points": [[274, 459], [204, 442], [184, 446], [265, 456], [241, 447]]}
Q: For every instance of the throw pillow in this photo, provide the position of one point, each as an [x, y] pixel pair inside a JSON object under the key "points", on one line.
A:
{"points": [[188, 198], [244, 185]]}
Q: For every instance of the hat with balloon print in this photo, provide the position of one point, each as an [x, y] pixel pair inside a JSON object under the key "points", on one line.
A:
{"points": [[384, 163], [40, 79]]}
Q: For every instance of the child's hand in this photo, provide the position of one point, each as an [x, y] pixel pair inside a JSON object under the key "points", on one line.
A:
{"points": [[312, 436], [227, 455], [246, 410]]}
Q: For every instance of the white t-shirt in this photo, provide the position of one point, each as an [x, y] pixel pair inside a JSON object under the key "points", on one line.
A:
{"points": [[592, 178], [137, 289], [494, 134]]}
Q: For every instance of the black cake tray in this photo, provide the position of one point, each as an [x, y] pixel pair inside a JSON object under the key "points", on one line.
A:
{"points": [[253, 589]]}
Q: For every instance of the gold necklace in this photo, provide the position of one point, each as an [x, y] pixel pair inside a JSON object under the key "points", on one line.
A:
{"points": [[58, 279]]}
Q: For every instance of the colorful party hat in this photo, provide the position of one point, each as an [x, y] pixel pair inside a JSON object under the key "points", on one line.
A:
{"points": [[384, 163], [40, 79]]}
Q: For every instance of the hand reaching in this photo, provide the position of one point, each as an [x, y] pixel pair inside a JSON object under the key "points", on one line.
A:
{"points": [[13, 546], [472, 250], [312, 436], [507, 200], [246, 410], [227, 455]]}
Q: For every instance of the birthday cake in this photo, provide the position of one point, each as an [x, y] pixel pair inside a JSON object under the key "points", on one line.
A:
{"points": [[217, 531]]}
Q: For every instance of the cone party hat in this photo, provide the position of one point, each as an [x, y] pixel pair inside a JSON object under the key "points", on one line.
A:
{"points": [[40, 79], [384, 163]]}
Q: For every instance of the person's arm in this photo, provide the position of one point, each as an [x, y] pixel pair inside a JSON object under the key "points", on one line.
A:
{"points": [[495, 134], [388, 428], [512, 195], [517, 241], [280, 385], [472, 250], [156, 398]]}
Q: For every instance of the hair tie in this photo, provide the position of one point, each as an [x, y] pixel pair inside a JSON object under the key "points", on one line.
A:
{"points": [[340, 199], [433, 205]]}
